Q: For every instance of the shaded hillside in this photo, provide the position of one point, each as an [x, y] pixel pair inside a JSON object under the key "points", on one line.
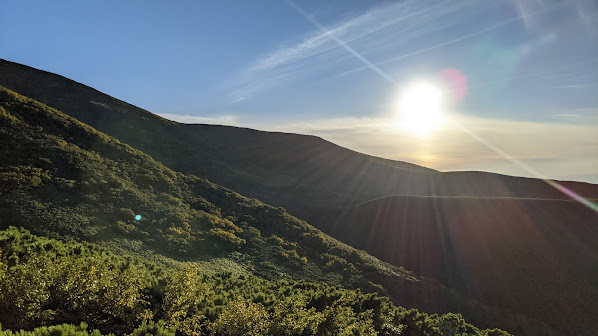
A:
{"points": [[310, 177], [537, 257], [61, 177]]}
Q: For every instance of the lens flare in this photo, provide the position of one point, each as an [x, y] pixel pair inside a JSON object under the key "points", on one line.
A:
{"points": [[455, 84]]}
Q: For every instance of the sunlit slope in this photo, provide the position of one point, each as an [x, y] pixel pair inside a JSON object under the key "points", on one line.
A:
{"points": [[60, 177], [535, 257], [310, 177]]}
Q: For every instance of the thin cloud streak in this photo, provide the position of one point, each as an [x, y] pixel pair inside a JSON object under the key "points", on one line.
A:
{"points": [[329, 45], [572, 86], [460, 39], [542, 74], [191, 119], [341, 43], [390, 29], [358, 27], [440, 45]]}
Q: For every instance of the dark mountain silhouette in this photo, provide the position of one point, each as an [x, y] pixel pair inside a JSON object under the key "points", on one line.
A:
{"points": [[541, 240]]}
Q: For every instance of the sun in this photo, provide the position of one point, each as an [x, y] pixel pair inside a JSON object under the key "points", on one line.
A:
{"points": [[421, 108]]}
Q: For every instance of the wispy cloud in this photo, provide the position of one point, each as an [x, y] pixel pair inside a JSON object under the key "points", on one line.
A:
{"points": [[384, 30], [587, 116], [383, 35], [572, 86], [190, 119], [567, 115], [350, 30]]}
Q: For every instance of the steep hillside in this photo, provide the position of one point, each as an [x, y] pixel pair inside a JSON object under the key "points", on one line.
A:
{"points": [[259, 164], [61, 178]]}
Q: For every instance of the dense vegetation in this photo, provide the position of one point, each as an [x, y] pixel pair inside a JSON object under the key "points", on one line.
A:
{"points": [[74, 286]]}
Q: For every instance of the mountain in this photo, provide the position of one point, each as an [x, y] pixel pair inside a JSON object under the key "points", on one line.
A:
{"points": [[345, 193], [62, 179]]}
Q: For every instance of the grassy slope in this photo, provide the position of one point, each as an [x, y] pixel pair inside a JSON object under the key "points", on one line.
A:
{"points": [[61, 178], [259, 164]]}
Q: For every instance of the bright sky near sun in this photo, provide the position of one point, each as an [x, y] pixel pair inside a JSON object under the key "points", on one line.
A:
{"points": [[397, 79]]}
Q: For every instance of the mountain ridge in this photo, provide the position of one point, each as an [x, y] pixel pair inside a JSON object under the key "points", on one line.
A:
{"points": [[106, 114]]}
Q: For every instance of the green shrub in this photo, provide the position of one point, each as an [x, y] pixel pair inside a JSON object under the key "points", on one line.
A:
{"points": [[242, 317]]}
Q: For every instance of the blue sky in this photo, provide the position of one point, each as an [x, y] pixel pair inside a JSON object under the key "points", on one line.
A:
{"points": [[336, 69]]}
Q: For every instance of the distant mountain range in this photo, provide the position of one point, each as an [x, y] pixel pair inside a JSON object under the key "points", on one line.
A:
{"points": [[505, 251]]}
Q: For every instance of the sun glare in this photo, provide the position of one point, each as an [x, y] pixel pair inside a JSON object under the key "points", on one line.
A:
{"points": [[421, 109]]}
